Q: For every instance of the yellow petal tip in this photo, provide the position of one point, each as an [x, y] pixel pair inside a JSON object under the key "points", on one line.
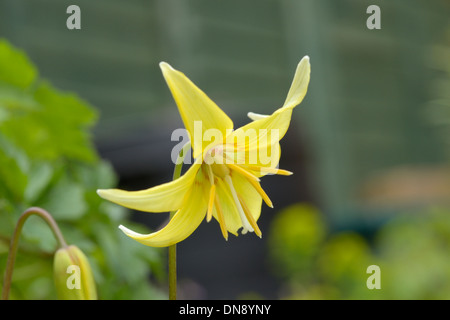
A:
{"points": [[164, 65], [101, 192], [128, 232]]}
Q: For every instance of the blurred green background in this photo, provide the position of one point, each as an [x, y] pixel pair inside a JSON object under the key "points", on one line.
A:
{"points": [[368, 145]]}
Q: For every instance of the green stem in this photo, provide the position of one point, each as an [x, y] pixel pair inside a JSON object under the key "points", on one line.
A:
{"points": [[15, 243], [173, 248]]}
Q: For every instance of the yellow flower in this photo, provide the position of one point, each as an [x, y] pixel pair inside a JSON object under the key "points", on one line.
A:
{"points": [[224, 180]]}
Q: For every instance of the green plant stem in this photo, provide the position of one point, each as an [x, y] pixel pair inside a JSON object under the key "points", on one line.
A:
{"points": [[173, 272], [172, 256], [15, 243]]}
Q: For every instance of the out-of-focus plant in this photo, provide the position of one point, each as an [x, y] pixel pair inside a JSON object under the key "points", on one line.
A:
{"points": [[411, 251], [47, 159], [414, 250], [438, 108], [296, 235]]}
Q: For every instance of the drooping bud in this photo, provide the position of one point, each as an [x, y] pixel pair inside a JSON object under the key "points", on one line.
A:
{"points": [[73, 275]]}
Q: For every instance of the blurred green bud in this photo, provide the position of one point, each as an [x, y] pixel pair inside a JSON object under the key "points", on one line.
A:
{"points": [[295, 238], [73, 275]]}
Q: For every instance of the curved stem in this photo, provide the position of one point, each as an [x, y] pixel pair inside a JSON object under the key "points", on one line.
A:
{"points": [[15, 243], [172, 256]]}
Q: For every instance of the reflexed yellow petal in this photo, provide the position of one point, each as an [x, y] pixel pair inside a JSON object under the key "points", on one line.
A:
{"points": [[299, 85], [262, 133], [265, 131], [165, 197], [256, 116], [183, 223], [194, 105]]}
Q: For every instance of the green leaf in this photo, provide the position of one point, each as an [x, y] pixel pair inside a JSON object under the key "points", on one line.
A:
{"points": [[65, 201], [67, 119], [15, 67], [47, 159], [39, 178], [13, 169]]}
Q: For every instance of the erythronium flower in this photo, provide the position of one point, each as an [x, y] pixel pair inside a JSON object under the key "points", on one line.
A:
{"points": [[223, 182]]}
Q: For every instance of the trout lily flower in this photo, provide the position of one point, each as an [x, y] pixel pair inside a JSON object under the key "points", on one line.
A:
{"points": [[224, 180]]}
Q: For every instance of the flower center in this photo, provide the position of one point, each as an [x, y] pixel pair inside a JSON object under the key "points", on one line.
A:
{"points": [[214, 155], [220, 170]]}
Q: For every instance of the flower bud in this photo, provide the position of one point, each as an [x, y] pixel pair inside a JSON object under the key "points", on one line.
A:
{"points": [[73, 275]]}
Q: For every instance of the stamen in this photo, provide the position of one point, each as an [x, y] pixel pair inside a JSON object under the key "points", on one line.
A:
{"points": [[245, 224], [210, 174], [269, 170], [261, 192], [244, 172], [212, 196], [220, 218], [250, 218]]}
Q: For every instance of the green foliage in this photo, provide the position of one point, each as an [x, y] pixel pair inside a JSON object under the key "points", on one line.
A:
{"points": [[411, 251], [47, 159]]}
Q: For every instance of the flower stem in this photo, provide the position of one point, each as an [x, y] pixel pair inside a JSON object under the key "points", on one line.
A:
{"points": [[173, 248], [15, 243]]}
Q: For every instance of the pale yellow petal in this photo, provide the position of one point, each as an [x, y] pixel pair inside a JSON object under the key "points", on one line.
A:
{"points": [[198, 112], [265, 132], [229, 210], [256, 116], [165, 197], [183, 223], [299, 84], [248, 193], [261, 133]]}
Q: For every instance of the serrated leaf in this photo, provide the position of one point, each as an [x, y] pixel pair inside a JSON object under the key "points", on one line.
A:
{"points": [[67, 119]]}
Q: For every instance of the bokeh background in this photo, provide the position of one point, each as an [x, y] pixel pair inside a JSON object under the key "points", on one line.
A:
{"points": [[368, 145]]}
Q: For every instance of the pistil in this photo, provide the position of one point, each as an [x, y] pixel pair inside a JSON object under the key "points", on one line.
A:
{"points": [[245, 223]]}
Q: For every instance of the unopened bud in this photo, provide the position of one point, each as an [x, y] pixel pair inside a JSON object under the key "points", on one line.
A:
{"points": [[73, 275]]}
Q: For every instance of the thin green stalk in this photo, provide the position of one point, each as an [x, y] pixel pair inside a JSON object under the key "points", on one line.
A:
{"points": [[15, 243], [173, 248]]}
